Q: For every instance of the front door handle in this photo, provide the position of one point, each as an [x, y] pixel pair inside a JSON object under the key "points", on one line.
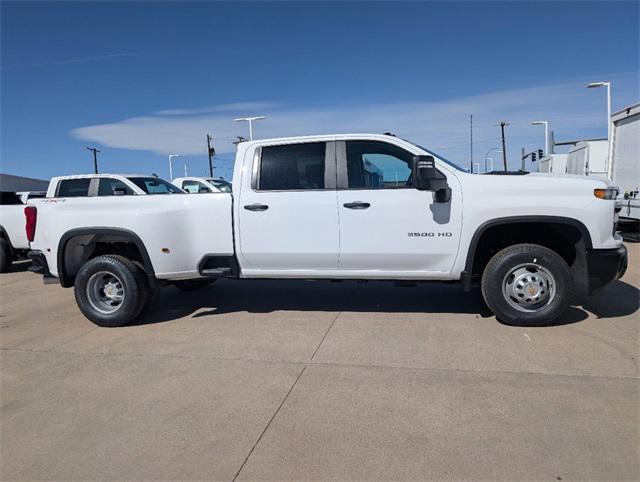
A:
{"points": [[357, 205], [256, 207]]}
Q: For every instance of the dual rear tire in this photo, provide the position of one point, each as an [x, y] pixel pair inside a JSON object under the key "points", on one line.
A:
{"points": [[112, 290]]}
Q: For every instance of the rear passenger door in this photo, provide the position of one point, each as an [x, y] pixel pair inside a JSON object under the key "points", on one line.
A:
{"points": [[288, 218]]}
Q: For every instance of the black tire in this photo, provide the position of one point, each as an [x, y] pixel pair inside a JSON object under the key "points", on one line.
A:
{"points": [[131, 281], [193, 284], [5, 256], [497, 283]]}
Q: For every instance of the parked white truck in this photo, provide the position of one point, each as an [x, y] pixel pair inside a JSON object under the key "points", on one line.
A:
{"points": [[13, 238], [360, 206]]}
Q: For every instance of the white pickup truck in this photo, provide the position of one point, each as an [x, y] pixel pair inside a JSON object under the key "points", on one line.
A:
{"points": [[362, 206]]}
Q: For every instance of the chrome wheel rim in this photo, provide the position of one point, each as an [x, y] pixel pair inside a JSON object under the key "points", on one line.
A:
{"points": [[529, 287], [105, 292]]}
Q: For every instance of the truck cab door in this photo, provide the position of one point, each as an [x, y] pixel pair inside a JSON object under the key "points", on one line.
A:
{"points": [[287, 211], [389, 229]]}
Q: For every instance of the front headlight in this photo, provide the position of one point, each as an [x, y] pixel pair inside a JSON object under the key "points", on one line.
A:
{"points": [[608, 193]]}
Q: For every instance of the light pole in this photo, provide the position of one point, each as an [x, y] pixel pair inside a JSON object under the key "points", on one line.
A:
{"points": [[171, 156], [486, 157], [250, 121], [608, 86], [546, 133]]}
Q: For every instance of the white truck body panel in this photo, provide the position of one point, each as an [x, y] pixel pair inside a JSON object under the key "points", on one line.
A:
{"points": [[189, 226], [12, 221], [311, 234], [588, 158], [626, 158], [553, 164]]}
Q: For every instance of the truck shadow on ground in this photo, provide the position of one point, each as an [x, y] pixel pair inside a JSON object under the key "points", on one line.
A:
{"points": [[266, 296]]}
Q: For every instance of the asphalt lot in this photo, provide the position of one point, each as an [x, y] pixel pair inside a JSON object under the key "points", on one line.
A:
{"points": [[317, 380]]}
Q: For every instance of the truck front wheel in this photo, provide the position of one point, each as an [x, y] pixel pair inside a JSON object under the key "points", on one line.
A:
{"points": [[110, 290], [527, 285]]}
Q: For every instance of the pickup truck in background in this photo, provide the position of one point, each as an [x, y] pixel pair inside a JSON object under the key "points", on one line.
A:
{"points": [[90, 185], [361, 206], [199, 185], [13, 237]]}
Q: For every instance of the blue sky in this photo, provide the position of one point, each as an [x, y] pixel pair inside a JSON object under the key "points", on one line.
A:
{"points": [[141, 80]]}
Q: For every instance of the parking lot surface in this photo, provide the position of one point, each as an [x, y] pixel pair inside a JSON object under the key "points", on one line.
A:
{"points": [[293, 380]]}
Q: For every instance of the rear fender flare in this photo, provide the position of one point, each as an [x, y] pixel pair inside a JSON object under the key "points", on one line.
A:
{"points": [[67, 281]]}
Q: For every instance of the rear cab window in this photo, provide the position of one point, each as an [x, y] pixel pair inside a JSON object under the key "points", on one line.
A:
{"points": [[73, 187], [292, 167]]}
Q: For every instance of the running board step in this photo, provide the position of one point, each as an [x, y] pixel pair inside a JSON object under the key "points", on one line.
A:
{"points": [[216, 272]]}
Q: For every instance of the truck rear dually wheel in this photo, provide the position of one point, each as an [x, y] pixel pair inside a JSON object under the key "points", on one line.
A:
{"points": [[527, 285], [5, 256], [110, 290]]}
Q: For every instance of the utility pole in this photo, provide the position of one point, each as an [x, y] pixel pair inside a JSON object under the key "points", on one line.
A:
{"points": [[522, 158], [503, 124], [211, 152], [471, 144], [95, 158]]}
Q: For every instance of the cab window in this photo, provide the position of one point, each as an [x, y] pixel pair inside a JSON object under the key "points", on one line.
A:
{"points": [[155, 185], [108, 187], [195, 187], [292, 167], [73, 187], [377, 165]]}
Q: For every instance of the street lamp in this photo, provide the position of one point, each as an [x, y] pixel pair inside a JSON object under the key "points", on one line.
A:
{"points": [[546, 134], [608, 86], [486, 157], [171, 156], [250, 121]]}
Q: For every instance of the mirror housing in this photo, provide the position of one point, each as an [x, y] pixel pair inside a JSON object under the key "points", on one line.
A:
{"points": [[425, 177]]}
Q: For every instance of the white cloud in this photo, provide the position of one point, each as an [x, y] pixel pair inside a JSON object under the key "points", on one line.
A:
{"points": [[572, 111], [238, 107]]}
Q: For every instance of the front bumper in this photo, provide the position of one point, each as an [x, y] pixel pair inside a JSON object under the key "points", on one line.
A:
{"points": [[605, 266]]}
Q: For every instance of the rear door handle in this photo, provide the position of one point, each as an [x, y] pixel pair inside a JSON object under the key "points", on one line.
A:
{"points": [[357, 205], [256, 207]]}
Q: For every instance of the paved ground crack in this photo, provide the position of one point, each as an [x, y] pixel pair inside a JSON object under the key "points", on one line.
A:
{"points": [[269, 423]]}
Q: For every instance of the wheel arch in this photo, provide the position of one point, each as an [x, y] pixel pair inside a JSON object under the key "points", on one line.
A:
{"points": [[4, 235], [487, 226], [128, 236]]}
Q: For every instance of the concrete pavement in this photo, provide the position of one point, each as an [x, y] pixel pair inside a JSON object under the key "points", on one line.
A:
{"points": [[315, 380]]}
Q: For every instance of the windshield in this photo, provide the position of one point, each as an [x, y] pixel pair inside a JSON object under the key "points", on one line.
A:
{"points": [[443, 159], [224, 186], [155, 185]]}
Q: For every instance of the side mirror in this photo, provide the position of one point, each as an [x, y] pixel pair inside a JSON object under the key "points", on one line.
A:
{"points": [[424, 169], [427, 178]]}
